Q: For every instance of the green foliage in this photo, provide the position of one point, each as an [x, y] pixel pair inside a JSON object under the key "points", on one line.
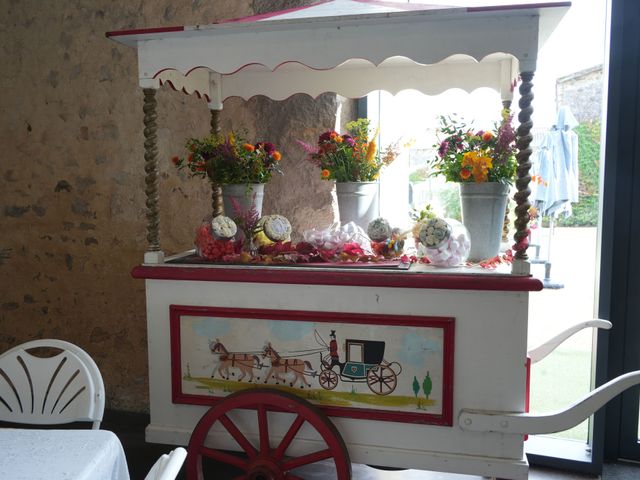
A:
{"points": [[585, 212], [451, 203], [416, 387], [419, 175]]}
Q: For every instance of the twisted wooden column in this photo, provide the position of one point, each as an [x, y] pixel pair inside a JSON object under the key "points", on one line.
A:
{"points": [[506, 104], [523, 140], [216, 190], [151, 169]]}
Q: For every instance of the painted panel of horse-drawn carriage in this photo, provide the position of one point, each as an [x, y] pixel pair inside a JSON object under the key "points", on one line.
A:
{"points": [[384, 367]]}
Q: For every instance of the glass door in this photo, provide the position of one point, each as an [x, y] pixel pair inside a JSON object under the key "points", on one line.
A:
{"points": [[620, 275]]}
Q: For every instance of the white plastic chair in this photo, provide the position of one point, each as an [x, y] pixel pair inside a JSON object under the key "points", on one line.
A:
{"points": [[168, 465], [61, 389]]}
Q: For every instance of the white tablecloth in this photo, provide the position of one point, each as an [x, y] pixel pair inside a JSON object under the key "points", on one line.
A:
{"points": [[61, 455]]}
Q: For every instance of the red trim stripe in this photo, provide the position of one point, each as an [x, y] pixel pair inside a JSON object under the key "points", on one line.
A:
{"points": [[525, 6], [142, 31], [314, 276]]}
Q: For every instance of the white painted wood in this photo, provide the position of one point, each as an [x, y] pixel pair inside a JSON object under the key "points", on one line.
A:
{"points": [[489, 373], [197, 81], [549, 346], [321, 43], [154, 258], [520, 267], [411, 38], [357, 77], [524, 423], [168, 465], [54, 390]]}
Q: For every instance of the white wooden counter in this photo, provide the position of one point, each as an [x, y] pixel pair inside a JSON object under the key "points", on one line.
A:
{"points": [[490, 344]]}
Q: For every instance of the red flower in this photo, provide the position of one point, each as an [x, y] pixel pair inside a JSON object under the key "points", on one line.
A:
{"points": [[465, 174], [326, 136]]}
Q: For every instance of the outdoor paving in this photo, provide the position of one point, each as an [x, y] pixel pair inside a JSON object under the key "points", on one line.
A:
{"points": [[565, 375]]}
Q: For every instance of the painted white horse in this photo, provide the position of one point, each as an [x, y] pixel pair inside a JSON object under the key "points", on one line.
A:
{"points": [[286, 370], [223, 362]]}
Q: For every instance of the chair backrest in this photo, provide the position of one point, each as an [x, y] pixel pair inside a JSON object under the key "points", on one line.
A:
{"points": [[61, 389], [168, 465]]}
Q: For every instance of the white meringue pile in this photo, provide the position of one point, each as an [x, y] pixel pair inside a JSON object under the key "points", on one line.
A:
{"points": [[334, 237], [327, 238], [453, 247]]}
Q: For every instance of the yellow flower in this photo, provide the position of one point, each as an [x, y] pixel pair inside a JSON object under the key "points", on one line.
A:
{"points": [[232, 139], [371, 152], [479, 164]]}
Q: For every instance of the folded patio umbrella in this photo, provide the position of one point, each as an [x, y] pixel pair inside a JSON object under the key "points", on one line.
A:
{"points": [[557, 167]]}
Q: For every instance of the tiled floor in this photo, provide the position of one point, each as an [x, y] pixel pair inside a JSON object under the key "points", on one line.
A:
{"points": [[142, 455]]}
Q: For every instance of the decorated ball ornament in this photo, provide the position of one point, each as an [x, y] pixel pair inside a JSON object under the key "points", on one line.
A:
{"points": [[379, 230], [434, 232], [276, 228], [223, 228]]}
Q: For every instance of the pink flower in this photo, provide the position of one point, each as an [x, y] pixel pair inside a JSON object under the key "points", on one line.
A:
{"points": [[348, 139]]}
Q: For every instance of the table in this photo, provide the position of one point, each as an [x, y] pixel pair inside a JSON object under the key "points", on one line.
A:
{"points": [[61, 454]]}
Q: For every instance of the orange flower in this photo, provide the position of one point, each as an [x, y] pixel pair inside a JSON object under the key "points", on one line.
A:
{"points": [[175, 160], [486, 136], [325, 173], [480, 165], [465, 173], [276, 156], [339, 139], [333, 135], [248, 147]]}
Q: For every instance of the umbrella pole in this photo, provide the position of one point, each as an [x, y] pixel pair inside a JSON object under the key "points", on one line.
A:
{"points": [[547, 282]]}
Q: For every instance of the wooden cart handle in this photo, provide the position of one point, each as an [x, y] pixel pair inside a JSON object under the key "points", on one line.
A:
{"points": [[525, 423], [549, 346]]}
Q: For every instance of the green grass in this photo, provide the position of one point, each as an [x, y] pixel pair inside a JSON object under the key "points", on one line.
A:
{"points": [[320, 396], [557, 382]]}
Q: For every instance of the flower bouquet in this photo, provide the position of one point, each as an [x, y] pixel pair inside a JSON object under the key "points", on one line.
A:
{"points": [[483, 164], [481, 156], [351, 156], [230, 159]]}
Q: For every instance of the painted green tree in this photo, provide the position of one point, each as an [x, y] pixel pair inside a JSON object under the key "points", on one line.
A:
{"points": [[416, 390], [427, 386]]}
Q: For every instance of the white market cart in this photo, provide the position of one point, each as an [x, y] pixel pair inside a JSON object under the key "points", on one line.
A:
{"points": [[471, 325]]}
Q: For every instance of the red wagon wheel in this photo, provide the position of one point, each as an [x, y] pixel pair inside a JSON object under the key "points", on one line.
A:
{"points": [[328, 379], [268, 460], [382, 380]]}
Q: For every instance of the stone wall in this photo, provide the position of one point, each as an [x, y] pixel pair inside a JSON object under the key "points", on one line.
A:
{"points": [[72, 180], [582, 92]]}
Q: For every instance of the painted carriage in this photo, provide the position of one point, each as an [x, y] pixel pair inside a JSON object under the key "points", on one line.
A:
{"points": [[365, 363], [458, 402]]}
